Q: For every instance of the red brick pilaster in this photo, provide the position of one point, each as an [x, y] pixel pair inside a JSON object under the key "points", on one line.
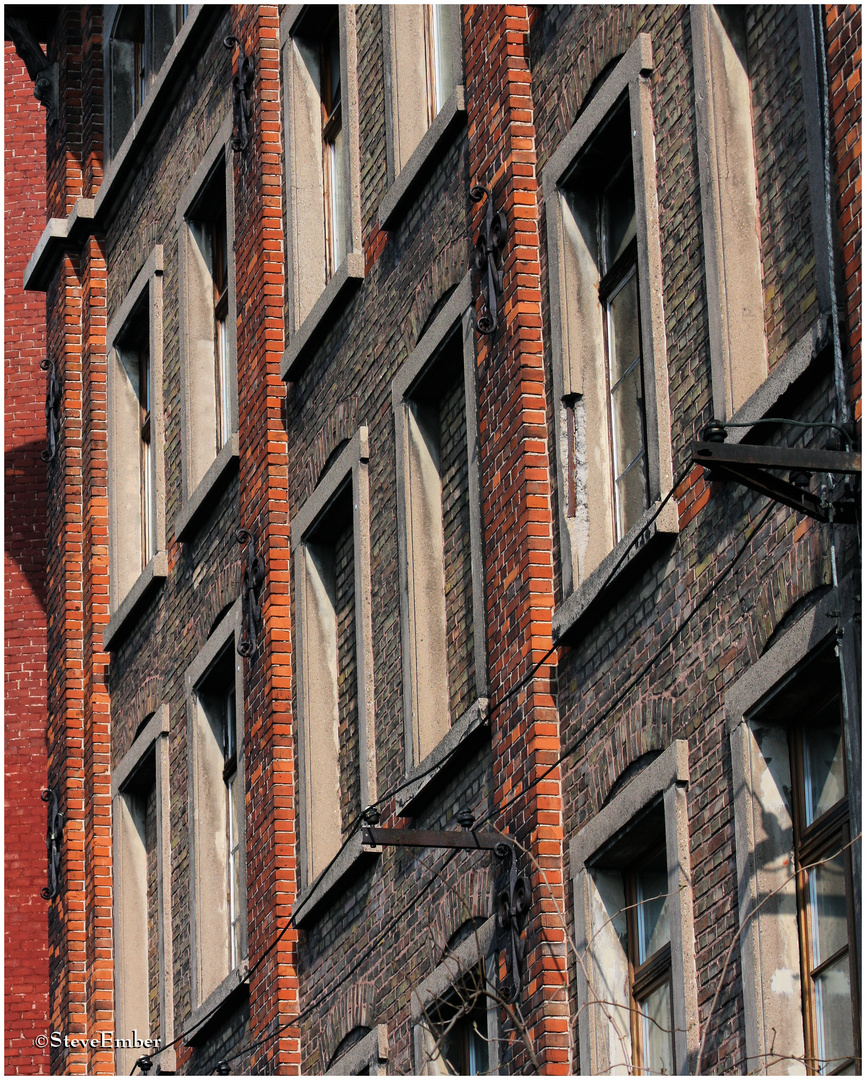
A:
{"points": [[518, 537], [25, 646], [260, 260]]}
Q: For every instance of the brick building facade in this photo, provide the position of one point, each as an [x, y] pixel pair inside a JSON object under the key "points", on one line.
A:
{"points": [[385, 336]]}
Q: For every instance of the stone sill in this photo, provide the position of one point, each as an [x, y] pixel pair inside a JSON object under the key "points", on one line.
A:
{"points": [[574, 609], [233, 986], [58, 236], [784, 377], [148, 581], [209, 488], [423, 160], [349, 275], [354, 857], [470, 730]]}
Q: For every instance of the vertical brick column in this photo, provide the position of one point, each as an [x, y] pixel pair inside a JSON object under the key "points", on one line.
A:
{"points": [[518, 523], [260, 261], [25, 648], [844, 62]]}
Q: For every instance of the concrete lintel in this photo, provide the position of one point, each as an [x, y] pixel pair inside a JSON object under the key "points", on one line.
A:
{"points": [[352, 859], [457, 963], [368, 1054], [209, 488], [471, 729], [154, 265], [150, 578], [571, 613], [348, 277], [355, 451], [782, 378], [424, 159], [157, 725]]}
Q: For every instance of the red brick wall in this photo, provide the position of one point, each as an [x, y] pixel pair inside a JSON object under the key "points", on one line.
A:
{"points": [[26, 939], [845, 56]]}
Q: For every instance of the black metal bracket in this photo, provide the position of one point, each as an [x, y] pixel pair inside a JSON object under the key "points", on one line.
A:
{"points": [[747, 464], [53, 836], [513, 890], [44, 74], [242, 89], [489, 242], [251, 585], [52, 410]]}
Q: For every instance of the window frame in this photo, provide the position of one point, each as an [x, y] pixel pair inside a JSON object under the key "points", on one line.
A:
{"points": [[130, 582], [770, 941], [130, 975], [206, 924], [664, 782], [589, 551], [370, 1053], [423, 672], [320, 822], [314, 298], [206, 466]]}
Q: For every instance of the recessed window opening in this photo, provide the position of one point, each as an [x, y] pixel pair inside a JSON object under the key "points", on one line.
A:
{"points": [[438, 56], [333, 147], [133, 348], [208, 226], [460, 1028], [216, 698]]}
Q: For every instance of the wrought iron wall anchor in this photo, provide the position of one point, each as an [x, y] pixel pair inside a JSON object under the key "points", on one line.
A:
{"points": [[52, 410], [491, 239], [251, 609], [512, 904], [242, 89], [45, 75], [53, 836]]}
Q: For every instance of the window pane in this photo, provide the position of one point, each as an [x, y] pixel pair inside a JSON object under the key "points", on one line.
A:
{"points": [[444, 78], [657, 1031], [624, 328], [833, 1015], [338, 201], [823, 763], [631, 498], [620, 223], [334, 68], [828, 909], [627, 409], [653, 918]]}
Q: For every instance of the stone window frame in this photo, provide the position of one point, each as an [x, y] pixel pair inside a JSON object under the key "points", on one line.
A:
{"points": [[629, 81], [729, 211], [666, 779], [409, 170], [152, 743], [433, 992], [369, 1053], [199, 494], [423, 776], [313, 310], [773, 931], [225, 635], [348, 471], [128, 595]]}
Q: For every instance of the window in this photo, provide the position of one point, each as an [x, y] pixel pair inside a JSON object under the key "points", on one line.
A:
{"points": [[442, 614], [424, 99], [140, 39], [142, 892], [792, 754], [136, 498], [331, 545], [323, 193], [637, 991], [205, 221], [454, 1012], [729, 205], [608, 333], [217, 816]]}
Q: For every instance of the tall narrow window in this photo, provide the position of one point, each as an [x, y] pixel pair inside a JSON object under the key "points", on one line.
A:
{"points": [[438, 55], [140, 67], [333, 152], [147, 463], [649, 947], [222, 373], [824, 890], [181, 11]]}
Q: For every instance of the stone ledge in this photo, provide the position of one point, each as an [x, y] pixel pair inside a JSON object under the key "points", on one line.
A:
{"points": [[575, 608], [233, 986], [351, 860], [423, 160], [209, 488], [349, 275], [148, 581], [471, 729]]}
